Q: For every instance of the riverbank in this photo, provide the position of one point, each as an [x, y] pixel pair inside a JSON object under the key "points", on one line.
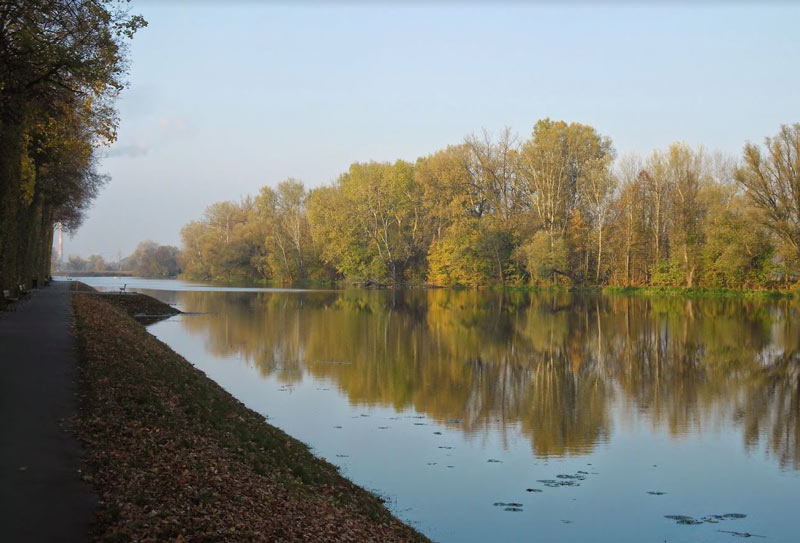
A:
{"points": [[173, 456], [630, 291], [640, 291], [70, 273], [669, 292], [695, 293]]}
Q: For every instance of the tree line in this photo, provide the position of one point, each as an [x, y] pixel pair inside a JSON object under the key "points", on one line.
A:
{"points": [[149, 259], [557, 208], [62, 64]]}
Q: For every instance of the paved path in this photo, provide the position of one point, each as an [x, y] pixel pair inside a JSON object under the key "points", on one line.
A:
{"points": [[42, 497]]}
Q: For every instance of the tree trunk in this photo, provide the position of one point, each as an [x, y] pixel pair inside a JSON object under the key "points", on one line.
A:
{"points": [[11, 149], [31, 239], [689, 269], [628, 267], [43, 262], [499, 266], [599, 253]]}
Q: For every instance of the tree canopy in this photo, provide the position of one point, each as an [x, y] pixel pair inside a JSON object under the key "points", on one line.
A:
{"points": [[62, 65]]}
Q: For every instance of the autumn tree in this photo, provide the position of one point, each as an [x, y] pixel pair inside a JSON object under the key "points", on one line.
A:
{"points": [[471, 200], [598, 193], [772, 181], [153, 260], [95, 263], [629, 237], [289, 230], [374, 231], [193, 256], [738, 250], [555, 164], [685, 174]]}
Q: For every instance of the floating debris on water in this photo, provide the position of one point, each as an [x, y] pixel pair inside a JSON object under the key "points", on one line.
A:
{"points": [[709, 519], [565, 521], [431, 463], [509, 506], [683, 519], [565, 479], [533, 490], [437, 433], [342, 456], [339, 427], [419, 424], [513, 509], [454, 421], [552, 483], [383, 427], [656, 492], [445, 447], [742, 534], [494, 461]]}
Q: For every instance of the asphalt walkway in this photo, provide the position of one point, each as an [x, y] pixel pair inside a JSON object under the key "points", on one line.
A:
{"points": [[42, 497]]}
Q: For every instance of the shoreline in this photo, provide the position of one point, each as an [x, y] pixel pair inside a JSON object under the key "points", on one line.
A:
{"points": [[173, 456], [629, 291], [668, 292]]}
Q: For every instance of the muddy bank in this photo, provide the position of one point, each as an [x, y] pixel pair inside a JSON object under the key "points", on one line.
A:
{"points": [[175, 457]]}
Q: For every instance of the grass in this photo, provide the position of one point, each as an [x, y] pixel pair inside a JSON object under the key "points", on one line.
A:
{"points": [[707, 293], [664, 292]]}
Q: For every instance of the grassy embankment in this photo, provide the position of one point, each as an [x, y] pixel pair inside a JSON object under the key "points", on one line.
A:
{"points": [[174, 457]]}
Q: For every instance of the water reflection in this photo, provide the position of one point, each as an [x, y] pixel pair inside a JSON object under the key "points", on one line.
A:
{"points": [[548, 365]]}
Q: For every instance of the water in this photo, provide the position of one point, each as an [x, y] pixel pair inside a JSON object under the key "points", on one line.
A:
{"points": [[448, 403]]}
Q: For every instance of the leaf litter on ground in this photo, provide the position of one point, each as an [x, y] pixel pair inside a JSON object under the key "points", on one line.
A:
{"points": [[174, 457]]}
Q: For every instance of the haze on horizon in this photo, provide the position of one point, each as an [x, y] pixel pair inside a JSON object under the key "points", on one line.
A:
{"points": [[226, 99]]}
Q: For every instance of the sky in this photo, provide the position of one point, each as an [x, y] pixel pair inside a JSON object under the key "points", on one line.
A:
{"points": [[225, 98]]}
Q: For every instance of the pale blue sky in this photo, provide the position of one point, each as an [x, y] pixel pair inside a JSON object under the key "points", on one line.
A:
{"points": [[224, 99]]}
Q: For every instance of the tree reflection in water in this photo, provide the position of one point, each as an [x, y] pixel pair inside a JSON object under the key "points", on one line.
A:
{"points": [[549, 365]]}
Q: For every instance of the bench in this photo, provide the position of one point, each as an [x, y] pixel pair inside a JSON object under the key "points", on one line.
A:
{"points": [[7, 303]]}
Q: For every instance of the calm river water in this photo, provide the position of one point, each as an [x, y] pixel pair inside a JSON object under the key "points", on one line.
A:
{"points": [[517, 417]]}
